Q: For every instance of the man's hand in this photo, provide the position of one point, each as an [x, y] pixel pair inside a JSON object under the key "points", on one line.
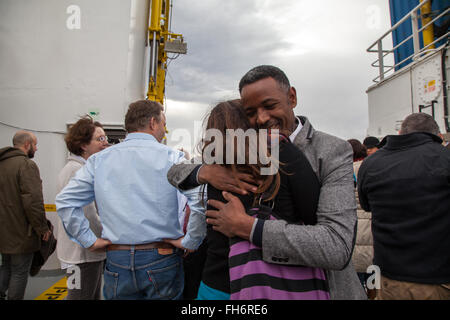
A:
{"points": [[100, 245], [231, 219], [222, 178], [46, 235]]}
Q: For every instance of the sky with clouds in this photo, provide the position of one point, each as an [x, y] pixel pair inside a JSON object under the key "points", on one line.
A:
{"points": [[321, 45]]}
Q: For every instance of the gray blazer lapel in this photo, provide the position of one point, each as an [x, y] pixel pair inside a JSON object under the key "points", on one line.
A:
{"points": [[303, 141]]}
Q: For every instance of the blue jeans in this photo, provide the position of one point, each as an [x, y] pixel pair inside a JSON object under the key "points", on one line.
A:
{"points": [[14, 269], [143, 275]]}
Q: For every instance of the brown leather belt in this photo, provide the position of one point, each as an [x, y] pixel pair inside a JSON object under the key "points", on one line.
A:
{"points": [[146, 246]]}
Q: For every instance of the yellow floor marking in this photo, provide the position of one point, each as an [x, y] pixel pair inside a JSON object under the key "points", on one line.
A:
{"points": [[50, 207], [58, 291]]}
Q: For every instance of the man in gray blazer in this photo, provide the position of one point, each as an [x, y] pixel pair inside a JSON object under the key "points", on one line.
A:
{"points": [[269, 101]]}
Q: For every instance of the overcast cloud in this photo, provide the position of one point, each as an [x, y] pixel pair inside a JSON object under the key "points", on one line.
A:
{"points": [[321, 45]]}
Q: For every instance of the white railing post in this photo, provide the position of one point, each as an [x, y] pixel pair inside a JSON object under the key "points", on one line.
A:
{"points": [[415, 31], [380, 59]]}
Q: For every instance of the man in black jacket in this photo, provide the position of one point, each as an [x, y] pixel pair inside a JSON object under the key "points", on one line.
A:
{"points": [[406, 186]]}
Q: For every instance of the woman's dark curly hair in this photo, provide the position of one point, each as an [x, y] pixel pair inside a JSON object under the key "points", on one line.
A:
{"points": [[359, 150], [80, 134]]}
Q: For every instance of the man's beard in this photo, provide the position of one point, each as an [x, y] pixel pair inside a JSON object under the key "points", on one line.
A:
{"points": [[30, 153]]}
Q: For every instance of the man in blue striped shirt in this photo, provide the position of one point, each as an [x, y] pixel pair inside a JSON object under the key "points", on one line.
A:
{"points": [[137, 207]]}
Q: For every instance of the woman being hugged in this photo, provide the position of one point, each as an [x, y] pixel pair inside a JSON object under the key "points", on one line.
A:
{"points": [[291, 194]]}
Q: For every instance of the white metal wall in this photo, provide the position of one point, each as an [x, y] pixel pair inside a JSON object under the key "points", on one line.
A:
{"points": [[60, 59], [389, 103], [400, 95], [429, 69]]}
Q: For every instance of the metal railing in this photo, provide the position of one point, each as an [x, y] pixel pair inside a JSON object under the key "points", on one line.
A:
{"points": [[415, 15]]}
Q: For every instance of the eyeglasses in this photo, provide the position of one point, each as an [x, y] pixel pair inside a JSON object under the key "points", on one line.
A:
{"points": [[102, 139]]}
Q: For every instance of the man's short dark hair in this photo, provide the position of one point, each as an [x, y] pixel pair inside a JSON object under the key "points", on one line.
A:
{"points": [[262, 72], [419, 122], [139, 114], [371, 142]]}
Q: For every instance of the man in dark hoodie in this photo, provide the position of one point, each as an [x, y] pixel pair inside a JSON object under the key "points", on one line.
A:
{"points": [[22, 215]]}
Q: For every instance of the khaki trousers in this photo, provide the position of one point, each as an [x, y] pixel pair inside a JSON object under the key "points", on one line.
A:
{"points": [[402, 290]]}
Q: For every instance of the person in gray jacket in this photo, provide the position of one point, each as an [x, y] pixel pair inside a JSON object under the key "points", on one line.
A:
{"points": [[269, 102]]}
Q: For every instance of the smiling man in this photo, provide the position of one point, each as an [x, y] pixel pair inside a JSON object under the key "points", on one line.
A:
{"points": [[269, 102]]}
